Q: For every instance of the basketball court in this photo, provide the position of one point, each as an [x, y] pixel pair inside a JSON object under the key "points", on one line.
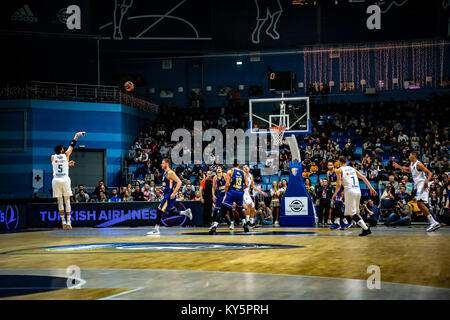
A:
{"points": [[187, 263]]}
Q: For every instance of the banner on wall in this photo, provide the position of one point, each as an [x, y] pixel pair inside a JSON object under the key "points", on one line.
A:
{"points": [[102, 215], [38, 179]]}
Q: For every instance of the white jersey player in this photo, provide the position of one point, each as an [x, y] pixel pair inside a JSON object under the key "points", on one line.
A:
{"points": [[421, 176], [249, 204], [61, 180], [349, 178]]}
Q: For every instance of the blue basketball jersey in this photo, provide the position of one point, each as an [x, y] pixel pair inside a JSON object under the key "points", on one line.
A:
{"points": [[237, 179], [168, 185], [220, 185], [332, 177], [340, 196]]}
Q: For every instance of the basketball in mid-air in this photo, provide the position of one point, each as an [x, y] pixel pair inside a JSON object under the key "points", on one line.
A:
{"points": [[129, 86]]}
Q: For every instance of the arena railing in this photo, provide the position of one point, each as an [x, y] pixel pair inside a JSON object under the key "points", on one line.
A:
{"points": [[42, 90]]}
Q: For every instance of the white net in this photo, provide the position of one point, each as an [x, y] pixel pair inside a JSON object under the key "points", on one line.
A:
{"points": [[277, 134]]}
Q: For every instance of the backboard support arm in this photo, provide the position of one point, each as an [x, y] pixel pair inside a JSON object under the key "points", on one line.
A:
{"points": [[295, 150]]}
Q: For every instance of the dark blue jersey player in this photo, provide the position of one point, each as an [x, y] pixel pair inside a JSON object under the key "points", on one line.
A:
{"points": [[339, 209], [218, 190], [236, 183], [170, 186]]}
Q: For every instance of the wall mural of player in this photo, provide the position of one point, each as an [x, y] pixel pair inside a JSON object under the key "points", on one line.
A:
{"points": [[445, 5], [267, 10], [120, 9], [142, 25]]}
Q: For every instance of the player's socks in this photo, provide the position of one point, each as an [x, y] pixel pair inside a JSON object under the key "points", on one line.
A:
{"points": [[252, 220], [68, 223], [362, 224], [154, 232], [431, 219], [345, 221], [337, 221], [247, 217], [228, 219], [63, 221], [232, 225], [434, 225]]}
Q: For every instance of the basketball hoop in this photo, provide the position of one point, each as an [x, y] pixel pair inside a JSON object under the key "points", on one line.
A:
{"points": [[277, 134]]}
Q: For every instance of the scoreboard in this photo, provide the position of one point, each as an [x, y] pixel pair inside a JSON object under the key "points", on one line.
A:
{"points": [[282, 81]]}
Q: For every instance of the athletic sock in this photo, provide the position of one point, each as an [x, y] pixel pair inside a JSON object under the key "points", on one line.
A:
{"points": [[157, 227], [345, 221], [63, 219], [247, 217], [362, 224], [215, 224], [337, 221], [431, 219], [243, 222], [252, 220], [68, 218]]}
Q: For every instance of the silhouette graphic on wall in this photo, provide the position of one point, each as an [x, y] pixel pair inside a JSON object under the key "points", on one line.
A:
{"points": [[383, 3], [267, 10], [445, 5], [121, 8]]}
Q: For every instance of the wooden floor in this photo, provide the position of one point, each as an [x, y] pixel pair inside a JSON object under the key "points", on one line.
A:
{"points": [[405, 255]]}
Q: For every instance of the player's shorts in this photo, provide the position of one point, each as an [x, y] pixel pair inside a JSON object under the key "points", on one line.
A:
{"points": [[248, 200], [421, 194], [167, 204], [61, 187], [218, 203], [233, 196], [352, 198]]}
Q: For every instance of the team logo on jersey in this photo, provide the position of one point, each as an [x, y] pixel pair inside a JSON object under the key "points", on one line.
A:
{"points": [[294, 171]]}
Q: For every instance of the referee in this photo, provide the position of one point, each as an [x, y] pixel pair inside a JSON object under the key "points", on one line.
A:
{"points": [[206, 198]]}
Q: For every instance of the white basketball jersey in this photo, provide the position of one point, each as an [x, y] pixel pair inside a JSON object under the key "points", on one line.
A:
{"points": [[418, 176], [60, 166], [349, 178], [249, 182]]}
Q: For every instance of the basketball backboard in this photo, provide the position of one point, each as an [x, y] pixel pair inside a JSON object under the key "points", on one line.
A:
{"points": [[292, 113]]}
